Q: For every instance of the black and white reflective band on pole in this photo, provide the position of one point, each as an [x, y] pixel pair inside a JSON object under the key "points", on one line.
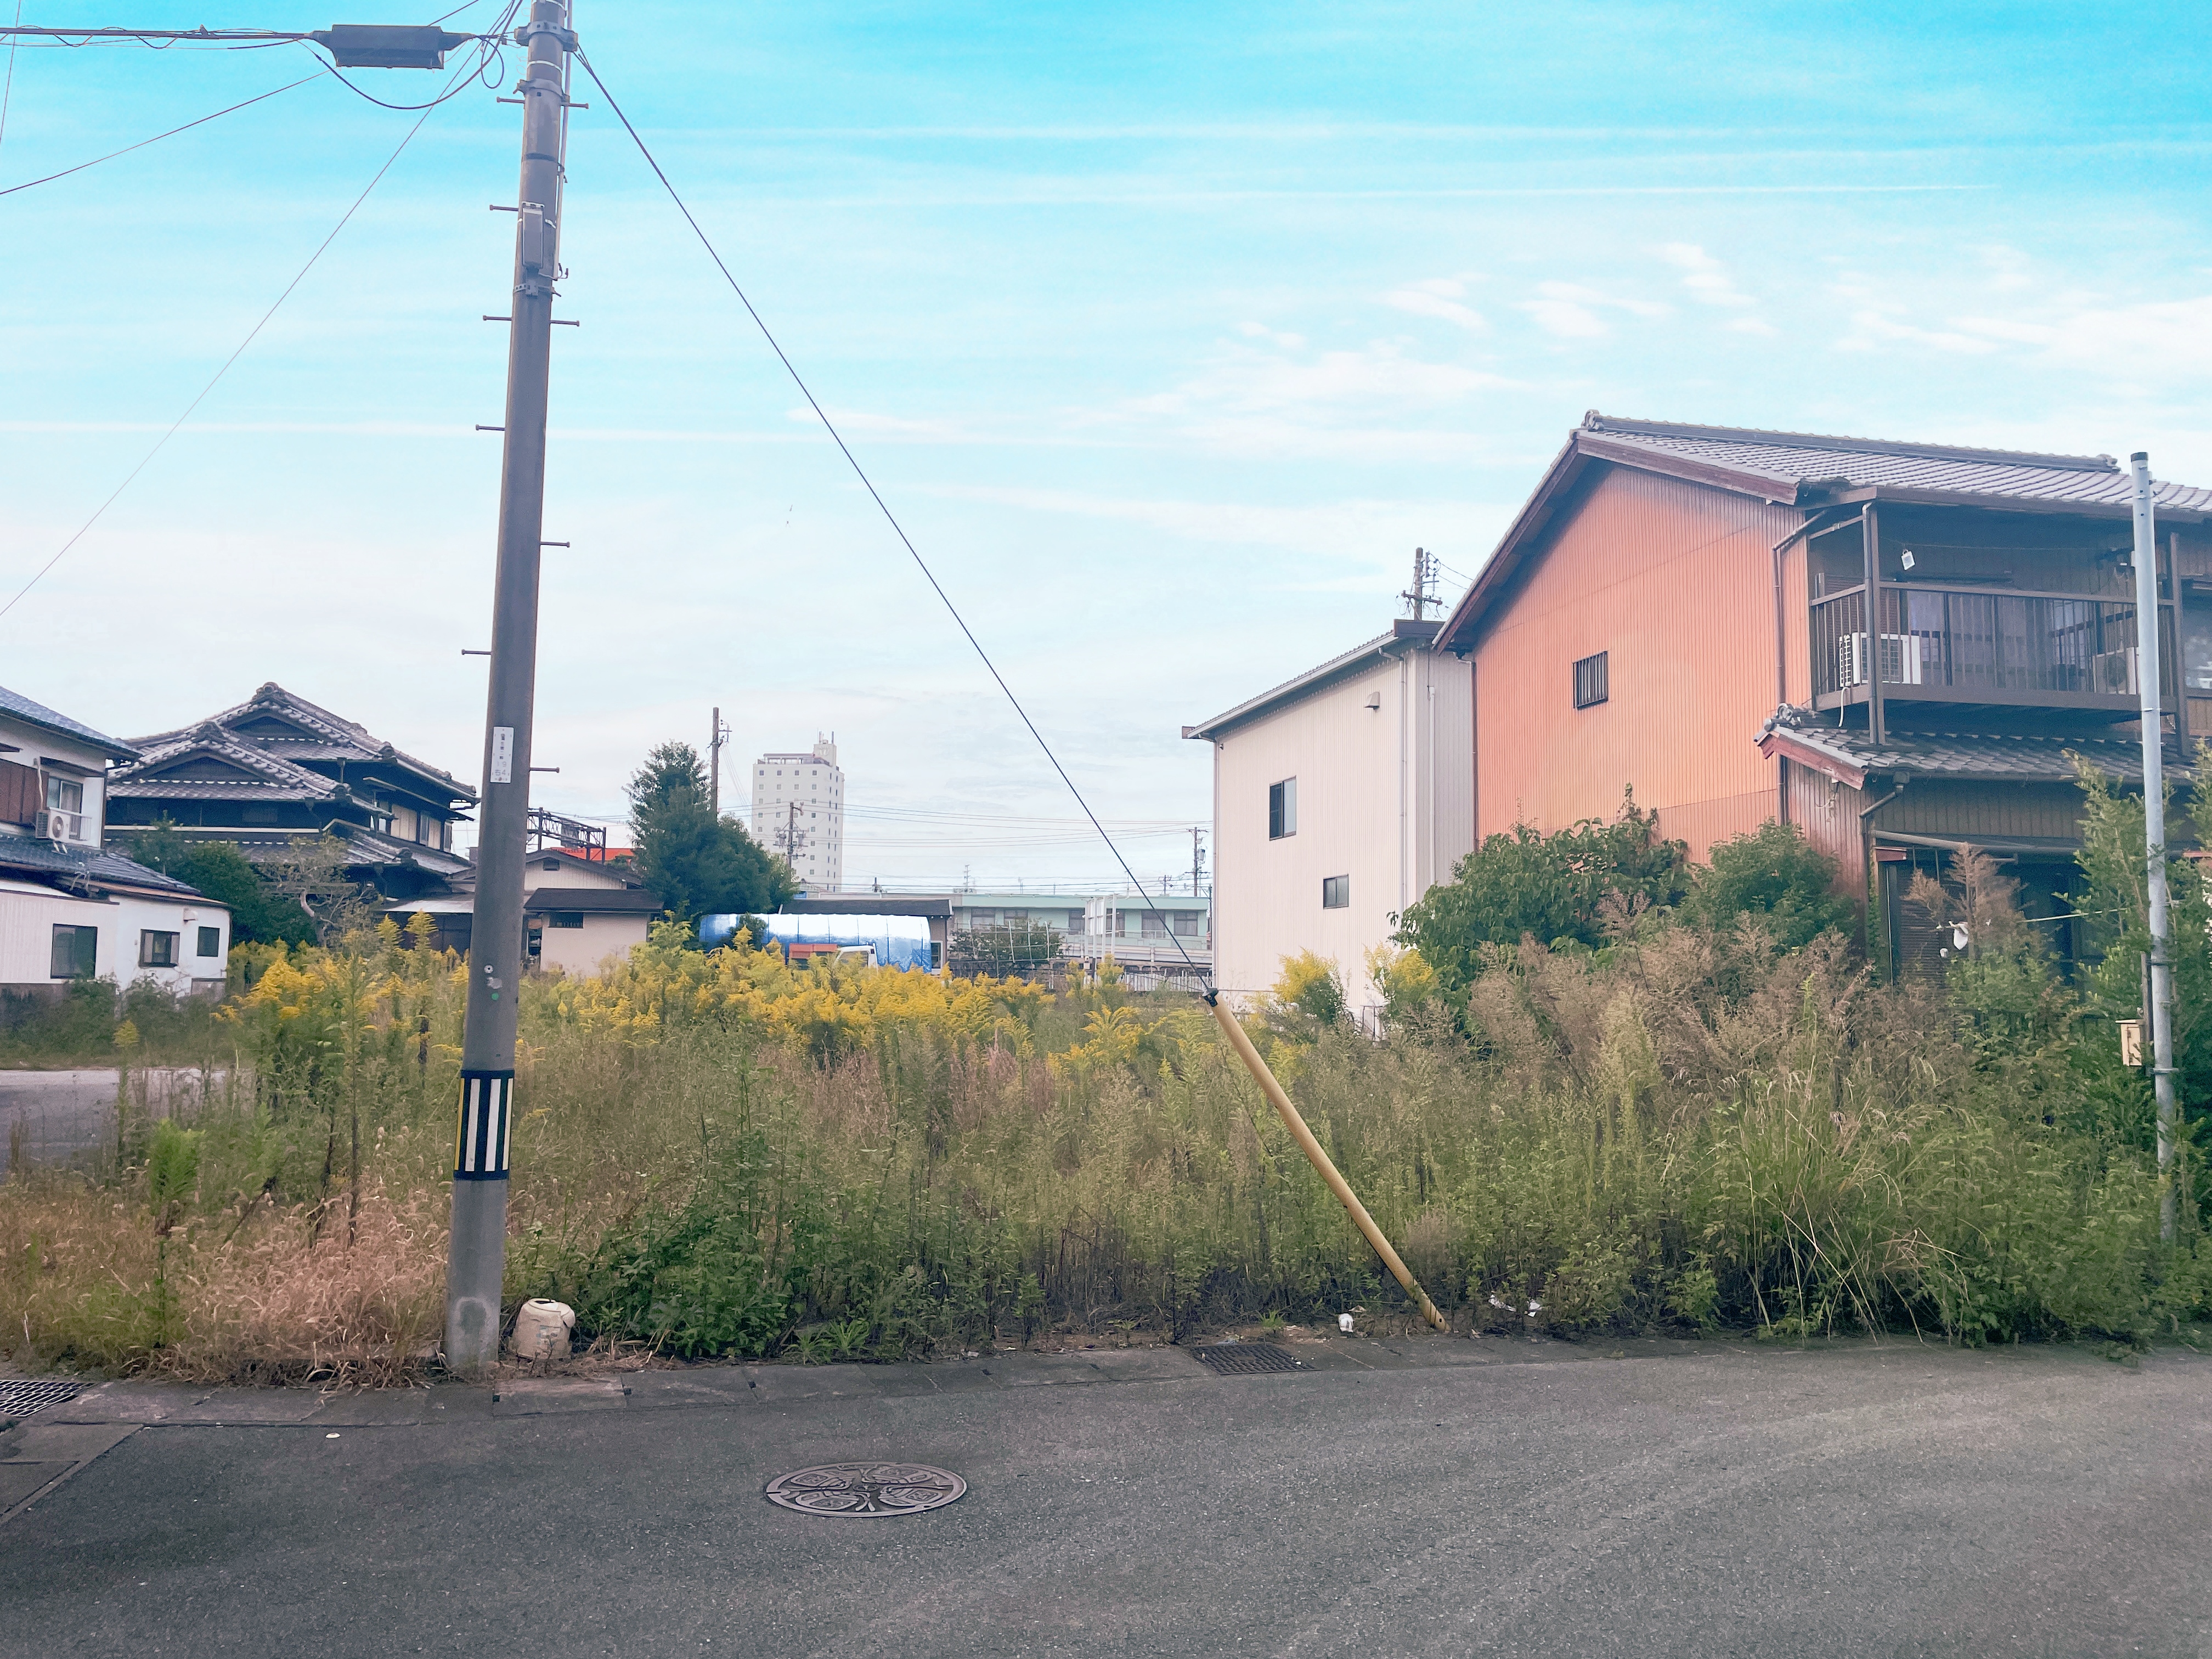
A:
{"points": [[487, 1119]]}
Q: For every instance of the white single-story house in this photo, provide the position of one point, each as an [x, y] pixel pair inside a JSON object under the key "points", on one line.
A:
{"points": [[69, 909]]}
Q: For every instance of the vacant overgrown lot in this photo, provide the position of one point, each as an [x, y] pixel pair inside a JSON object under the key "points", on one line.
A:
{"points": [[1692, 1122]]}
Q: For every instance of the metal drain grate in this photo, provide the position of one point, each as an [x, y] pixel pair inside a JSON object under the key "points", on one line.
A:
{"points": [[1246, 1359], [22, 1399]]}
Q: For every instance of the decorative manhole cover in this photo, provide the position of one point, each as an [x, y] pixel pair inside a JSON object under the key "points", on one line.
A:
{"points": [[1246, 1358], [865, 1489], [22, 1399]]}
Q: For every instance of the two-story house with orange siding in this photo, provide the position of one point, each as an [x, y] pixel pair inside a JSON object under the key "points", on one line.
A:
{"points": [[1681, 611]]}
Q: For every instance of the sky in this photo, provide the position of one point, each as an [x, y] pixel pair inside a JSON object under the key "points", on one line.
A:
{"points": [[1168, 332]]}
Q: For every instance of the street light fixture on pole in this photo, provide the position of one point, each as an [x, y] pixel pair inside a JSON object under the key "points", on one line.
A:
{"points": [[477, 1251]]}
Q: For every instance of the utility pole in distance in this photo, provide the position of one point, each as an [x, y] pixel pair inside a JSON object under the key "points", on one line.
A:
{"points": [[721, 735], [476, 1256]]}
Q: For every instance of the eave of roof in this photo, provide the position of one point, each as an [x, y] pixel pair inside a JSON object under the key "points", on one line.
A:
{"points": [[1405, 636], [16, 706], [1850, 758]]}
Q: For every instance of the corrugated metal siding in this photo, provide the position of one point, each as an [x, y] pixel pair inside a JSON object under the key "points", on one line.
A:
{"points": [[1445, 822], [1796, 628], [1829, 817], [1931, 808], [1674, 581]]}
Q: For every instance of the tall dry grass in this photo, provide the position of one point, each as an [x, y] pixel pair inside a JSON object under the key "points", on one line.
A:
{"points": [[716, 1156]]}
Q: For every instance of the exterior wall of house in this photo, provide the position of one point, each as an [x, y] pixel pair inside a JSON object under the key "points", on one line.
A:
{"points": [[34, 745], [29, 914], [1827, 812], [1675, 582], [1383, 798], [579, 951]]}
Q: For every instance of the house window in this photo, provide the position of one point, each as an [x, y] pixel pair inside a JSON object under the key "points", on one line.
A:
{"points": [[1154, 926], [210, 941], [1590, 681], [77, 952], [564, 919], [1186, 923], [1282, 809], [257, 813], [156, 949], [1335, 892], [64, 795]]}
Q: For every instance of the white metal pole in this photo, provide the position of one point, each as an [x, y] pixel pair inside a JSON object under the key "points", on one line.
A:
{"points": [[2148, 680]]}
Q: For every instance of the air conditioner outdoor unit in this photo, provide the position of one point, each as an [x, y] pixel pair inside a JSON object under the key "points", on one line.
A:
{"points": [[60, 826], [2112, 673], [1900, 659]]}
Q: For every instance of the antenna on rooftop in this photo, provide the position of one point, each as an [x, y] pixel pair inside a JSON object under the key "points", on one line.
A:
{"points": [[1422, 595]]}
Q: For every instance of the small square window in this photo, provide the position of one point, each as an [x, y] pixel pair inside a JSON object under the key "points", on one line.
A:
{"points": [[1282, 809], [210, 941], [564, 919], [156, 949], [1335, 892], [1590, 678]]}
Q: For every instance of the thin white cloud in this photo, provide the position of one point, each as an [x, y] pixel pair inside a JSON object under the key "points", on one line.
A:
{"points": [[1871, 329], [1570, 311], [1706, 278], [2157, 339], [1439, 297]]}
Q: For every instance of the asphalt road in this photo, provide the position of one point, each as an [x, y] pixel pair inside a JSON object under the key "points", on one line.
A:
{"points": [[1426, 1496]]}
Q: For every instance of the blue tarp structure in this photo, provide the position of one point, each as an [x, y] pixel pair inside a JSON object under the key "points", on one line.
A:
{"points": [[898, 941]]}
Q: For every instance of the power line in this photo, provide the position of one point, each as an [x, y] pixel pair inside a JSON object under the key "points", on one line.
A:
{"points": [[868, 484], [161, 442], [158, 137]]}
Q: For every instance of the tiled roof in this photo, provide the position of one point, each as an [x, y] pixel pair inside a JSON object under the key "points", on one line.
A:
{"points": [[89, 866], [329, 737], [37, 713], [274, 778], [1796, 459], [2002, 757], [631, 901]]}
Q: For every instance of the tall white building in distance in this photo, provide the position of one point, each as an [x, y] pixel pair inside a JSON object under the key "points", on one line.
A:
{"points": [[799, 811]]}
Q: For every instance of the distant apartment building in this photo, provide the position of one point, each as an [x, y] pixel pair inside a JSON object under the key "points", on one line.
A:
{"points": [[798, 811]]}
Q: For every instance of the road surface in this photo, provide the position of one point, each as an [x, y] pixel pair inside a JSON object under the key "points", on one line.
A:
{"points": [[1420, 1496]]}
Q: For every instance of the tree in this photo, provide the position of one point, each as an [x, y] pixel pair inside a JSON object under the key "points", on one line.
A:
{"points": [[1774, 874], [693, 863], [259, 913], [1553, 888], [313, 875]]}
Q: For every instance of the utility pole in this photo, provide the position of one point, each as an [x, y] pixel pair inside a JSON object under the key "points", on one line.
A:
{"points": [[477, 1251], [1423, 593], [1197, 859], [721, 735], [2148, 682]]}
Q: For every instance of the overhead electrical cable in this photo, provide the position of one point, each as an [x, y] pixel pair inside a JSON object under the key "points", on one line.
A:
{"points": [[467, 73], [258, 97], [867, 484]]}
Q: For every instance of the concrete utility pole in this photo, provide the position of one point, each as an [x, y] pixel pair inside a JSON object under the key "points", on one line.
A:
{"points": [[2148, 682], [1197, 860], [721, 735], [478, 1253]]}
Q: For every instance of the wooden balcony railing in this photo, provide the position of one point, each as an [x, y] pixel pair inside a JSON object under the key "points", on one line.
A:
{"points": [[1974, 645]]}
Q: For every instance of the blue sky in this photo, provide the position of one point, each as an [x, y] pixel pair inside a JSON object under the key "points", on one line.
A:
{"points": [[1170, 332]]}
